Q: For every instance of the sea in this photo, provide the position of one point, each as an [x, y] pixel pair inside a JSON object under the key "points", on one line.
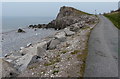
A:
{"points": [[14, 22], [13, 41]]}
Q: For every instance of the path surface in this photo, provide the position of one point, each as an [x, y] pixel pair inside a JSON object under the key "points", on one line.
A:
{"points": [[103, 50]]}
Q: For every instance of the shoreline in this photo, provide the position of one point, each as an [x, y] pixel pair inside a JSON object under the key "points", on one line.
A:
{"points": [[71, 48], [13, 41], [12, 30], [61, 55]]}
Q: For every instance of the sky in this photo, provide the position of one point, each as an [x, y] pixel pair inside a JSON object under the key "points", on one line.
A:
{"points": [[47, 9]]}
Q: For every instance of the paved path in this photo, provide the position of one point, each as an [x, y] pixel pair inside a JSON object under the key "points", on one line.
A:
{"points": [[103, 50]]}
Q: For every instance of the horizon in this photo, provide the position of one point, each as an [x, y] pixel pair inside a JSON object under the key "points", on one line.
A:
{"points": [[51, 9]]}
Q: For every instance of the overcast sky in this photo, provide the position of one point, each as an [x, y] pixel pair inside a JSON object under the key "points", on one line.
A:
{"points": [[47, 9]]}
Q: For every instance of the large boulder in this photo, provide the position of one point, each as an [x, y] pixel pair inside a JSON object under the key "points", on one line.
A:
{"points": [[68, 32], [40, 51], [43, 44], [22, 62], [32, 56], [8, 70], [60, 36], [53, 44], [34, 59], [75, 27]]}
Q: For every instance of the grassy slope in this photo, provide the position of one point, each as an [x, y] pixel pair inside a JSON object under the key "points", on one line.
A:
{"points": [[115, 18]]}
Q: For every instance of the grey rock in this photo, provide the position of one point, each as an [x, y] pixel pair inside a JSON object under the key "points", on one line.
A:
{"points": [[68, 32], [20, 31], [32, 56], [53, 44], [29, 44], [75, 27], [6, 55], [16, 53], [8, 69], [63, 39], [61, 36], [40, 51], [43, 44], [34, 59]]}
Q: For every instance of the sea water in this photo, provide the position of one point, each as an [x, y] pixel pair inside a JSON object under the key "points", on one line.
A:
{"points": [[12, 41], [14, 22]]}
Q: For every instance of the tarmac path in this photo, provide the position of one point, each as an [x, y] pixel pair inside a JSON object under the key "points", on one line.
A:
{"points": [[102, 60]]}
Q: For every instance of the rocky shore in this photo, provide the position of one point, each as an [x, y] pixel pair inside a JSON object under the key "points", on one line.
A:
{"points": [[61, 55]]}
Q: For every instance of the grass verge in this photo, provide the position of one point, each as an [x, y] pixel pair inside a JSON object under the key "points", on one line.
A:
{"points": [[115, 18]]}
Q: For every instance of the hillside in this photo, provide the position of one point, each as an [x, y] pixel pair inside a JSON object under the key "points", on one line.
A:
{"points": [[68, 16]]}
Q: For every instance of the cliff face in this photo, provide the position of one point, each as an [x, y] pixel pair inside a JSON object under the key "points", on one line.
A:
{"points": [[68, 16], [68, 12]]}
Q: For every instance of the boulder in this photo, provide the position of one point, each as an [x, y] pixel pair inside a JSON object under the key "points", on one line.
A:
{"points": [[24, 51], [75, 27], [8, 70], [16, 53], [40, 51], [68, 32], [32, 56], [22, 62], [60, 36], [13, 55], [34, 59], [53, 44], [43, 44], [20, 31]]}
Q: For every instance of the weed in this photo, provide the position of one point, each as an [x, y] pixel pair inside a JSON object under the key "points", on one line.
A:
{"points": [[52, 61], [55, 71], [75, 52]]}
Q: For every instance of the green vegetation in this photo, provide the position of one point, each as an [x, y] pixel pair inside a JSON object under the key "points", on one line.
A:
{"points": [[115, 18], [32, 66], [63, 52], [55, 71], [81, 12], [75, 52]]}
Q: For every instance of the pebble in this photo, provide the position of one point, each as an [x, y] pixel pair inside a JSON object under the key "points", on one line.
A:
{"points": [[41, 72], [21, 48], [29, 44], [5, 55], [9, 60], [32, 73], [36, 34]]}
